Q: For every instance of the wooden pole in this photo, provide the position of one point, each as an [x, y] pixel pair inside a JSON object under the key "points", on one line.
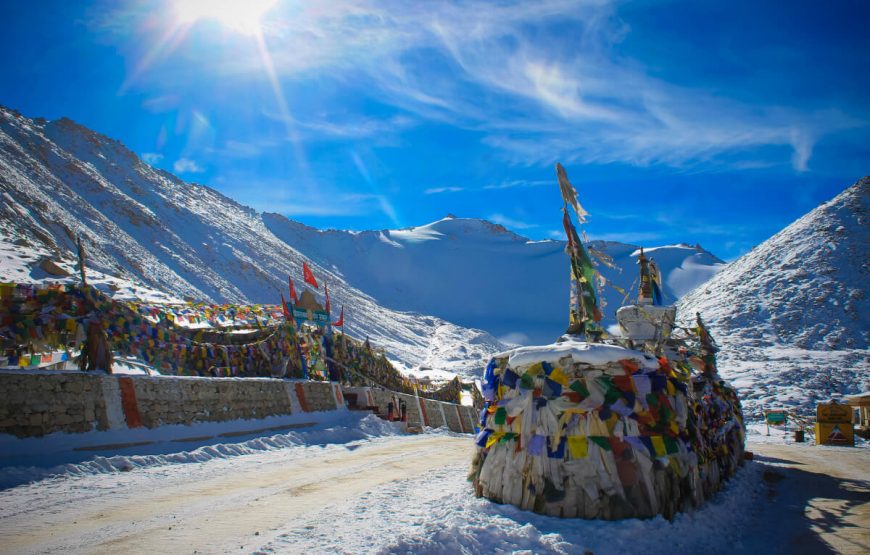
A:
{"points": [[81, 253]]}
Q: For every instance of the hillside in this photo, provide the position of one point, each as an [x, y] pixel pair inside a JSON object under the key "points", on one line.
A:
{"points": [[481, 275], [792, 316], [59, 180]]}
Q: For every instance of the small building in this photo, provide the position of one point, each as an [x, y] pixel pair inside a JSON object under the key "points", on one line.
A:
{"points": [[861, 417]]}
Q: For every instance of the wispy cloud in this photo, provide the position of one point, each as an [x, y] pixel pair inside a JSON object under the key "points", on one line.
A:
{"points": [[483, 66], [346, 128], [152, 158], [519, 183], [186, 165], [510, 223], [439, 190], [282, 197], [631, 237]]}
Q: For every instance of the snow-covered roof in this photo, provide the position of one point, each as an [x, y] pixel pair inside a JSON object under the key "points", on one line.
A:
{"points": [[596, 354]]}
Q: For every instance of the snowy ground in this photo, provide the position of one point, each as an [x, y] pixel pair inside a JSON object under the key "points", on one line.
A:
{"points": [[353, 485]]}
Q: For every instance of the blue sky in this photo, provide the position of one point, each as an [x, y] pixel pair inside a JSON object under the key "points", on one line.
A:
{"points": [[678, 121]]}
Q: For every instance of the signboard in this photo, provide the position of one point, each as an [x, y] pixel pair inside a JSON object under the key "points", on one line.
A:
{"points": [[300, 313], [319, 317], [835, 434], [776, 417], [834, 413]]}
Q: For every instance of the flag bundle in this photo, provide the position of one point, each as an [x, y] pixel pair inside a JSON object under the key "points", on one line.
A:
{"points": [[583, 311]]}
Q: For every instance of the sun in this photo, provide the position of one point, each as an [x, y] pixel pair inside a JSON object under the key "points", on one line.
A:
{"points": [[240, 15]]}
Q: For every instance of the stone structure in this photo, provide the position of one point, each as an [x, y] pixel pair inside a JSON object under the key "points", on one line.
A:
{"points": [[33, 404], [40, 403]]}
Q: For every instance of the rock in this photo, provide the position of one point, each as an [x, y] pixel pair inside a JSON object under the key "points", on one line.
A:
{"points": [[50, 267]]}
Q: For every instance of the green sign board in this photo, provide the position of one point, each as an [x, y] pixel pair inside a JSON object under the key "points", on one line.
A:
{"points": [[775, 417], [318, 317], [300, 313]]}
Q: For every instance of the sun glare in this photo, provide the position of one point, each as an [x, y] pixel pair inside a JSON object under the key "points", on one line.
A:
{"points": [[240, 15]]}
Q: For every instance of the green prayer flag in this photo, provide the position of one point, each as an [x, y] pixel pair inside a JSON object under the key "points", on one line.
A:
{"points": [[500, 416], [601, 441], [527, 381], [579, 386]]}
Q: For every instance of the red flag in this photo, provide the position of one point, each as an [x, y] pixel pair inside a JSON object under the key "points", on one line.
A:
{"points": [[293, 296], [340, 321], [308, 276], [284, 307], [326, 288]]}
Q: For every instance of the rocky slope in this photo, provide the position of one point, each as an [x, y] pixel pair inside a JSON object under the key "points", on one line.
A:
{"points": [[793, 315]]}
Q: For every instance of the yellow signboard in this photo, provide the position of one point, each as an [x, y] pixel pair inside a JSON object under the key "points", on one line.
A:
{"points": [[834, 434], [834, 413]]}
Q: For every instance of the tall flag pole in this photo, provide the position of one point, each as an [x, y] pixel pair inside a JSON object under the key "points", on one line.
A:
{"points": [[708, 346], [645, 289], [655, 275], [326, 289], [584, 313]]}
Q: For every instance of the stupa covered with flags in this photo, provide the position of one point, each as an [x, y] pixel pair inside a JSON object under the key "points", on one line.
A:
{"points": [[603, 427]]}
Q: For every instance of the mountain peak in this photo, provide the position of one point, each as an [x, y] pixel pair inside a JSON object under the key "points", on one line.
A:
{"points": [[799, 297]]}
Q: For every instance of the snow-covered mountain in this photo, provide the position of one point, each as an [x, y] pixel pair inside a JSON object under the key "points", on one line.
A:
{"points": [[59, 180], [792, 316], [481, 275]]}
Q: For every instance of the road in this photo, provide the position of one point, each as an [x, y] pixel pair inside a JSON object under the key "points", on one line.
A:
{"points": [[819, 497], [409, 494], [213, 508]]}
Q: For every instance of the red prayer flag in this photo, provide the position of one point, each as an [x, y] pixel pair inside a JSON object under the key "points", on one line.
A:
{"points": [[284, 307], [326, 288], [293, 296], [340, 321], [308, 276]]}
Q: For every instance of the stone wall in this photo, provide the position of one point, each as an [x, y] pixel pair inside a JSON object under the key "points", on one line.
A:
{"points": [[36, 403], [428, 412], [171, 400], [40, 403]]}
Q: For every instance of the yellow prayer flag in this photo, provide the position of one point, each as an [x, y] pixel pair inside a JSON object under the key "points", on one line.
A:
{"points": [[659, 446], [535, 369], [493, 438], [578, 446], [558, 376]]}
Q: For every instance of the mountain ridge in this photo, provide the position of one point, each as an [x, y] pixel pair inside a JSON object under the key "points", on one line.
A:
{"points": [[795, 310]]}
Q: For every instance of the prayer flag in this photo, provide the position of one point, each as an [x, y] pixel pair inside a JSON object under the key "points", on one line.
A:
{"points": [[536, 444], [326, 289], [569, 193], [284, 307], [340, 321], [308, 276], [293, 298], [659, 446], [578, 446]]}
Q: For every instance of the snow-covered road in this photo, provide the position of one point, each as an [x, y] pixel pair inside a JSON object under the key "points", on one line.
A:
{"points": [[390, 493], [224, 505]]}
